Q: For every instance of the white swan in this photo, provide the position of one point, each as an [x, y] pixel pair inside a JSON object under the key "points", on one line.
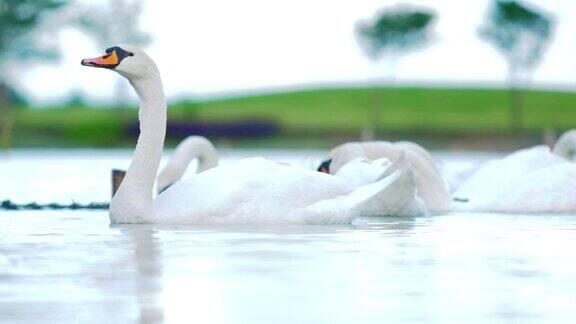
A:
{"points": [[193, 147], [533, 180], [249, 191], [404, 202], [431, 185]]}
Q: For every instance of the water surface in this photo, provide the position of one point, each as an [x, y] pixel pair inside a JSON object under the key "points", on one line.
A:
{"points": [[461, 268], [71, 266]]}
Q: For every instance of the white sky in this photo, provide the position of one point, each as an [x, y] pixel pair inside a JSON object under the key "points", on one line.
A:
{"points": [[206, 48]]}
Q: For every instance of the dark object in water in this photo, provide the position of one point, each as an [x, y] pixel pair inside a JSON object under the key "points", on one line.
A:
{"points": [[117, 178], [9, 205], [464, 200], [55, 206], [231, 129], [32, 205]]}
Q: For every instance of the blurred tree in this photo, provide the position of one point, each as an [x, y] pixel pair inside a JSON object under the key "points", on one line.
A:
{"points": [[21, 40], [103, 24], [391, 33], [521, 35], [15, 97], [76, 99]]}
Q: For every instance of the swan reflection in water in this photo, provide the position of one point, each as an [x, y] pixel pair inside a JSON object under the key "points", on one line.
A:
{"points": [[148, 272]]}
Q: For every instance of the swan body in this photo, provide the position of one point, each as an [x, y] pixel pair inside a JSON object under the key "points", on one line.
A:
{"points": [[431, 186], [533, 180], [193, 147], [358, 172], [249, 191], [244, 192]]}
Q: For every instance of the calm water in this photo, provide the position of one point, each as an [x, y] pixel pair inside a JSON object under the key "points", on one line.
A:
{"points": [[67, 266]]}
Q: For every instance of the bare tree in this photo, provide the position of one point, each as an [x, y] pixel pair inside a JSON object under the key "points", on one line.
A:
{"points": [[521, 35], [391, 33]]}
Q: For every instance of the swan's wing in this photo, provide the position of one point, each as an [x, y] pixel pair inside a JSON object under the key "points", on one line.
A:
{"points": [[362, 171], [248, 191]]}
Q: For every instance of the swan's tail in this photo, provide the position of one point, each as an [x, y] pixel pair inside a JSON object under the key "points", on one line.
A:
{"points": [[393, 195]]}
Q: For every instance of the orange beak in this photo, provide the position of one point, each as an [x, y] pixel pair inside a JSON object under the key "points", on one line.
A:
{"points": [[108, 61]]}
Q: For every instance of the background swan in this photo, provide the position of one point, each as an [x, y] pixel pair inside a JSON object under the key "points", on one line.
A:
{"points": [[431, 186], [566, 146], [533, 180], [193, 147], [249, 191], [403, 201]]}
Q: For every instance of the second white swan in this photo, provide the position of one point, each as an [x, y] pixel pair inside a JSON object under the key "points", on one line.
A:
{"points": [[533, 180], [193, 147], [432, 188]]}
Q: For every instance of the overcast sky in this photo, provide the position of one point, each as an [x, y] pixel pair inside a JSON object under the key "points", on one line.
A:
{"points": [[207, 48]]}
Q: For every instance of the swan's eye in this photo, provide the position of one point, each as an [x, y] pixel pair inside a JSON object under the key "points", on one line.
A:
{"points": [[130, 54]]}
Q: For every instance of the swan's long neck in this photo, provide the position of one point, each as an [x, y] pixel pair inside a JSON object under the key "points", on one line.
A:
{"points": [[133, 201], [207, 156], [193, 147]]}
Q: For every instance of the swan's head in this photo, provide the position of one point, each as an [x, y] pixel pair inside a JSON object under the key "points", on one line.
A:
{"points": [[129, 61], [566, 146], [340, 155]]}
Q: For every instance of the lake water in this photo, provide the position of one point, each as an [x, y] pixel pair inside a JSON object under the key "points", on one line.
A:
{"points": [[72, 266]]}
